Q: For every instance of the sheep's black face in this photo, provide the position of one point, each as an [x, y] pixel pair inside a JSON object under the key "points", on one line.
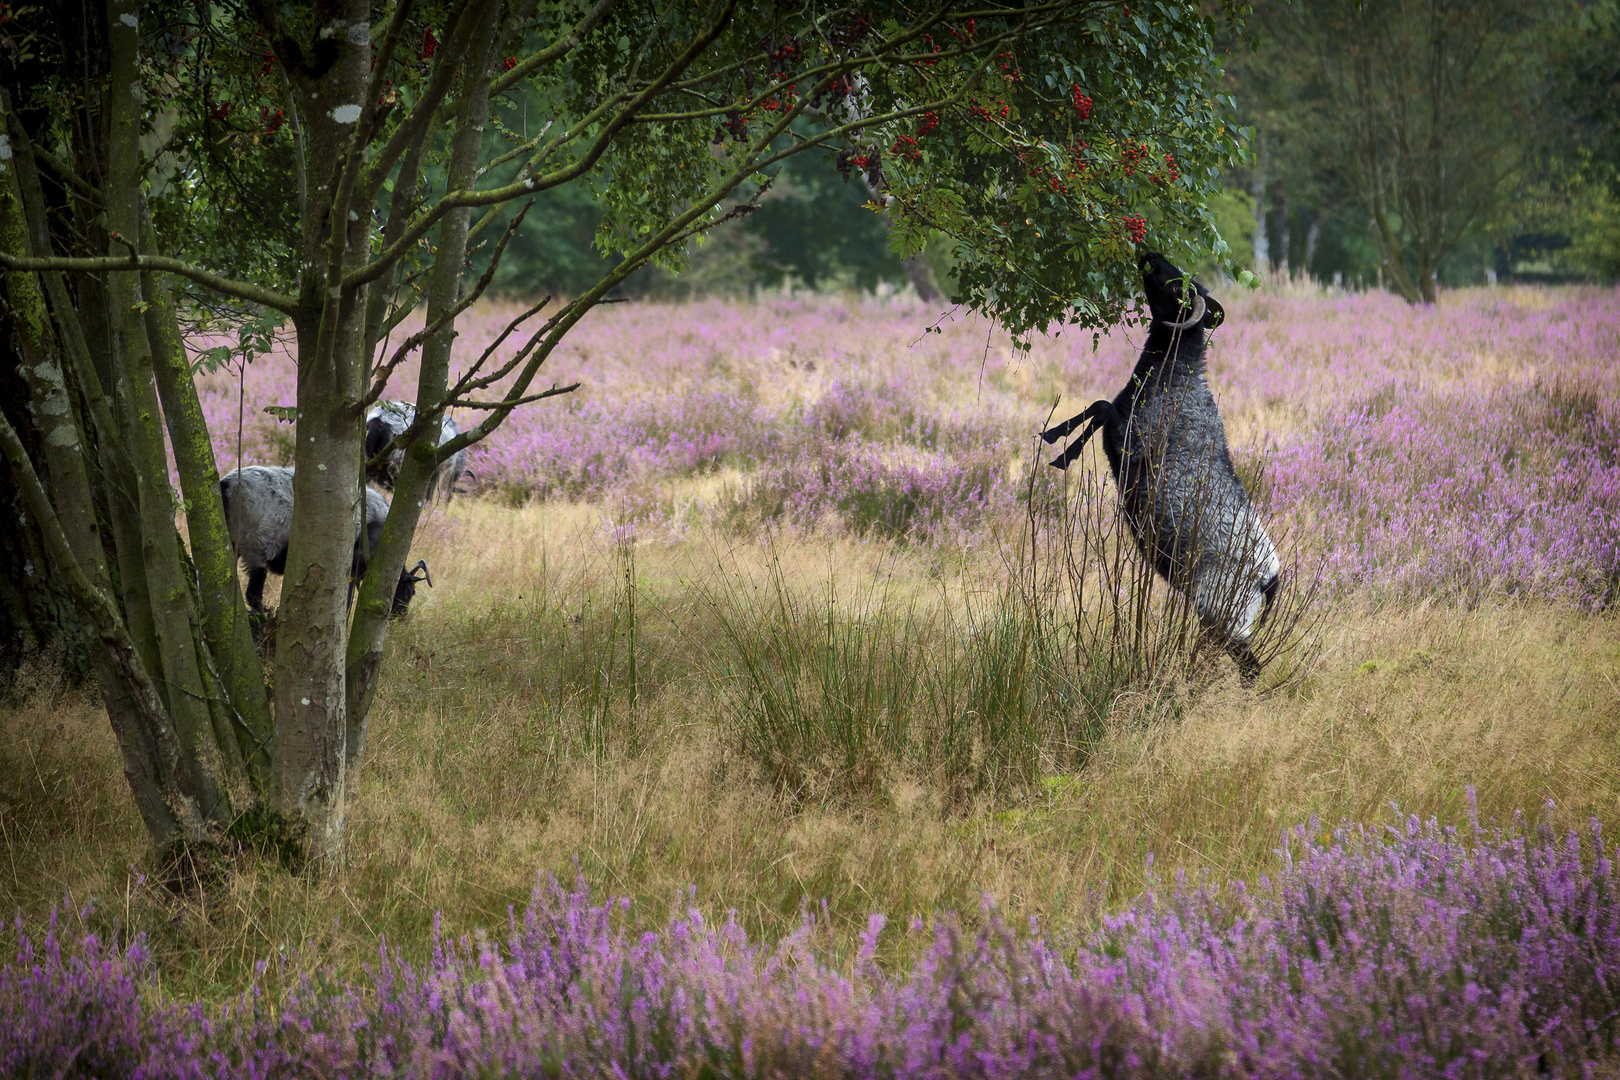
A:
{"points": [[405, 591], [1175, 298]]}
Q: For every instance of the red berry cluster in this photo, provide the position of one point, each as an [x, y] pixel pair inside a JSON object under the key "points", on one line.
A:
{"points": [[783, 58], [864, 159], [983, 113], [1170, 172], [268, 64], [1082, 103], [509, 63], [737, 125], [429, 46], [929, 40], [1136, 225], [220, 111], [1134, 156], [271, 118], [1075, 158], [852, 29], [907, 147], [1009, 67], [966, 32], [930, 122]]}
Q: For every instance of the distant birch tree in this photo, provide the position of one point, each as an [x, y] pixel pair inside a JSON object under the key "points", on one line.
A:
{"points": [[1429, 112]]}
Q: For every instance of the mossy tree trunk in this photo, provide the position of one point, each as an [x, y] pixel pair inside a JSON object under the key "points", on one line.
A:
{"points": [[37, 620]]}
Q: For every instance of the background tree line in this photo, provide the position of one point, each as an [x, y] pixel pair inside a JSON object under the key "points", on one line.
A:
{"points": [[1411, 143]]}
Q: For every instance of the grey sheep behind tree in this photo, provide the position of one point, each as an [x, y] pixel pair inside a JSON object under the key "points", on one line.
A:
{"points": [[258, 503]]}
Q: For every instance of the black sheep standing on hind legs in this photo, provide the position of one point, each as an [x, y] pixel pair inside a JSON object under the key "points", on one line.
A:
{"points": [[1166, 447]]}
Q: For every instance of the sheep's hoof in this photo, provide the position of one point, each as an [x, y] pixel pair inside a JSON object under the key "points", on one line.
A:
{"points": [[263, 626]]}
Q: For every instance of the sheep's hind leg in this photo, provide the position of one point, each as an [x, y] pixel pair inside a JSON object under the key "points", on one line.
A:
{"points": [[1248, 665], [255, 589]]}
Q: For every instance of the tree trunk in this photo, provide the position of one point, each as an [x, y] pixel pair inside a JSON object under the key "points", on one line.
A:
{"points": [[244, 711], [1257, 189], [182, 682], [312, 626], [921, 276], [153, 764], [1280, 202], [37, 620]]}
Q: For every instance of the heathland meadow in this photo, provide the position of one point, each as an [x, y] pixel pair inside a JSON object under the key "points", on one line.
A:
{"points": [[861, 745]]}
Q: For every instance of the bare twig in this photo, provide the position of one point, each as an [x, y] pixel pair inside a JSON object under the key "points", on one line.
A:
{"points": [[467, 301], [555, 391], [242, 290]]}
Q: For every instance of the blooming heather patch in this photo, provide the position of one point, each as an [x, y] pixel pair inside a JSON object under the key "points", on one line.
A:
{"points": [[1410, 952], [1508, 491], [1467, 450]]}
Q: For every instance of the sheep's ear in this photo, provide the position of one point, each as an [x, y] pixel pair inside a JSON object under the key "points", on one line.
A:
{"points": [[1214, 314]]}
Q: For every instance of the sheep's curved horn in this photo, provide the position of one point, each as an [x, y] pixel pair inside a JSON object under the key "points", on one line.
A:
{"points": [[1192, 320], [421, 564]]}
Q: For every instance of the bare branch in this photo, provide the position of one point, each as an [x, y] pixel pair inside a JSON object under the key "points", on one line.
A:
{"points": [[465, 382], [555, 391], [65, 173], [96, 264], [467, 301]]}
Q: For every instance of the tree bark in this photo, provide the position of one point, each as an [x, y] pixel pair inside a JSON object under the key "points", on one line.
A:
{"points": [[152, 763], [226, 634], [173, 613], [312, 630], [36, 612]]}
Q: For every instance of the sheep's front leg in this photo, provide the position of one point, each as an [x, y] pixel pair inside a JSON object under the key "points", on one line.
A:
{"points": [[1098, 414]]}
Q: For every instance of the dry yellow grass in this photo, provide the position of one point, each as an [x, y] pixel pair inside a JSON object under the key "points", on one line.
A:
{"points": [[504, 745]]}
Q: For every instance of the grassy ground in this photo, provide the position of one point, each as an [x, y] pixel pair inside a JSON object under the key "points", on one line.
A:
{"points": [[514, 736]]}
